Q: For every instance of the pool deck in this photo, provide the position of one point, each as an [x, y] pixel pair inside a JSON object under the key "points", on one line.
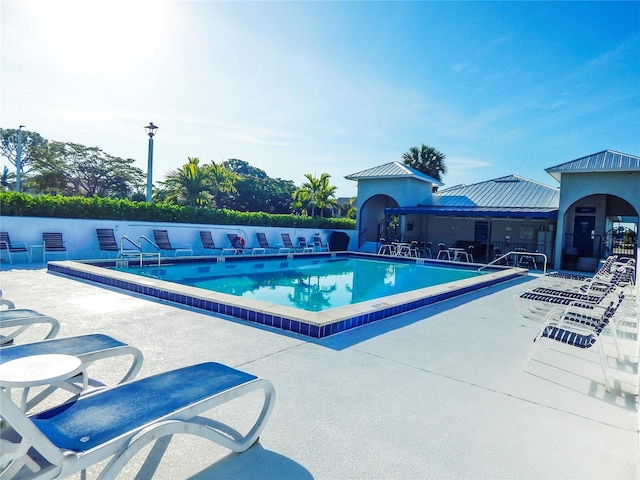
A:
{"points": [[433, 393]]}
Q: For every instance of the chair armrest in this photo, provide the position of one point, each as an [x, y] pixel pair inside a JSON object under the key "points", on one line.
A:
{"points": [[23, 323]]}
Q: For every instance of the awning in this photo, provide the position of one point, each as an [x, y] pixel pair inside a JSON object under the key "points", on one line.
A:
{"points": [[471, 211]]}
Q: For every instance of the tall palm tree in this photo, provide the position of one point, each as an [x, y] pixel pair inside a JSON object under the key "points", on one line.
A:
{"points": [[426, 160], [188, 185], [316, 192]]}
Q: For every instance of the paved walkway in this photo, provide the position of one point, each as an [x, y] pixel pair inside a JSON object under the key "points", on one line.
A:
{"points": [[435, 393]]}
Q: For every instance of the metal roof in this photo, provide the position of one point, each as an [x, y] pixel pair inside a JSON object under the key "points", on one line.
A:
{"points": [[511, 191], [392, 170], [605, 161], [510, 196]]}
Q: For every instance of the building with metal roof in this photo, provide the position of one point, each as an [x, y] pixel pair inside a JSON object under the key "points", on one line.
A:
{"points": [[601, 162], [598, 193], [398, 202]]}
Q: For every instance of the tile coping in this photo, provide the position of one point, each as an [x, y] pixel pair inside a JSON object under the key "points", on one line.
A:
{"points": [[315, 324]]}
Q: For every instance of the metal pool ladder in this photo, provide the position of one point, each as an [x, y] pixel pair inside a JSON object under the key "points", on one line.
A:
{"points": [[125, 255]]}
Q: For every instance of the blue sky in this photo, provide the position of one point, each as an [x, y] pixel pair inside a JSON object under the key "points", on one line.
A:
{"points": [[337, 87]]}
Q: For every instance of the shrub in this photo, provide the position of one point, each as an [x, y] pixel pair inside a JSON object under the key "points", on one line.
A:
{"points": [[25, 205]]}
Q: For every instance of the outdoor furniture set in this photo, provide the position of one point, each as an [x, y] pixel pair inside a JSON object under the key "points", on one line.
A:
{"points": [[98, 422]]}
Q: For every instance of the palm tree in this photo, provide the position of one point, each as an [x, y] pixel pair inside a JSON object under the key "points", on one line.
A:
{"points": [[7, 178], [426, 160], [316, 192], [189, 185], [222, 180]]}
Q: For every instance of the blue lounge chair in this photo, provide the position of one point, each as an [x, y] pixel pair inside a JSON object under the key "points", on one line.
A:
{"points": [[15, 321], [88, 348], [118, 422]]}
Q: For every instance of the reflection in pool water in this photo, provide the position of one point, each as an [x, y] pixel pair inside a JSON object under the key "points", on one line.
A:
{"points": [[310, 284]]}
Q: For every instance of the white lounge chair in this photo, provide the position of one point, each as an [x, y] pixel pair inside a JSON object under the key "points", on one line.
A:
{"points": [[6, 302], [88, 348], [15, 321], [579, 328], [118, 422]]}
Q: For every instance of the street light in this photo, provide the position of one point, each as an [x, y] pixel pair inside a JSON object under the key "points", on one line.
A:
{"points": [[151, 131], [19, 160]]}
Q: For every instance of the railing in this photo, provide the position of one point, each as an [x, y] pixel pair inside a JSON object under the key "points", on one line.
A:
{"points": [[360, 237], [124, 255], [518, 256]]}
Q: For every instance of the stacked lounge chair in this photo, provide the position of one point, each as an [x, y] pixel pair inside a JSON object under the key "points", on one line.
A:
{"points": [[541, 299], [577, 328]]}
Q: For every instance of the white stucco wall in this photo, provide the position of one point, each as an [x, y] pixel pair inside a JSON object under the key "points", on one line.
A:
{"points": [[576, 186], [82, 242], [405, 191]]}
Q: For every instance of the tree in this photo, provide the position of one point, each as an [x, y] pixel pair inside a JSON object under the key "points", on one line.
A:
{"points": [[243, 168], [255, 191], [348, 209], [74, 169], [188, 185], [196, 185], [222, 180], [7, 178], [316, 192], [33, 146], [427, 160]]}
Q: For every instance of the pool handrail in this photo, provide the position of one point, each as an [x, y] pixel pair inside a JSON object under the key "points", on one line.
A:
{"points": [[151, 242], [124, 237], [517, 253], [124, 254]]}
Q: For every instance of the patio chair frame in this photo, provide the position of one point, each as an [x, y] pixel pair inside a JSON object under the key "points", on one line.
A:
{"points": [[66, 445], [12, 248]]}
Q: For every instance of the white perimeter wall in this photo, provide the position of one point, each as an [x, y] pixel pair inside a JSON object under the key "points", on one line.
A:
{"points": [[82, 242]]}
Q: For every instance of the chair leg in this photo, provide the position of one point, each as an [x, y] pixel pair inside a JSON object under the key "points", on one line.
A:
{"points": [[603, 363], [536, 343], [441, 255]]}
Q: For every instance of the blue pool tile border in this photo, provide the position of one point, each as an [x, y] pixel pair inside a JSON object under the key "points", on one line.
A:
{"points": [[270, 320]]}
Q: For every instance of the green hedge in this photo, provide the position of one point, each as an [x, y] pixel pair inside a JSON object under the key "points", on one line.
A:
{"points": [[25, 205]]}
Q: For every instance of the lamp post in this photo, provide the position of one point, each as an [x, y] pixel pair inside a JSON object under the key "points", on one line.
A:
{"points": [[19, 160], [151, 131]]}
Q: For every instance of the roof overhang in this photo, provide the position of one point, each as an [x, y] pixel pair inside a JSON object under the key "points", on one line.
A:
{"points": [[483, 212]]}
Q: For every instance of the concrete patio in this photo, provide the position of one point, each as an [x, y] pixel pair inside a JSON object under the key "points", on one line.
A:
{"points": [[435, 393]]}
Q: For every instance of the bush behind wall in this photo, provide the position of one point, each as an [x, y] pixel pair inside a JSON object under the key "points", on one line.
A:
{"points": [[25, 205]]}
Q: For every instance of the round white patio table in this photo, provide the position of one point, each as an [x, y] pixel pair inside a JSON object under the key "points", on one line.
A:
{"points": [[39, 370]]}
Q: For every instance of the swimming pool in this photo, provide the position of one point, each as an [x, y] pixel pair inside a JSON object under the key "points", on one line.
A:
{"points": [[317, 324], [311, 284]]}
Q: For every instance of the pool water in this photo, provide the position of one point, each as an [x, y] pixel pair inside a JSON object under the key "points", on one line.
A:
{"points": [[313, 285]]}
